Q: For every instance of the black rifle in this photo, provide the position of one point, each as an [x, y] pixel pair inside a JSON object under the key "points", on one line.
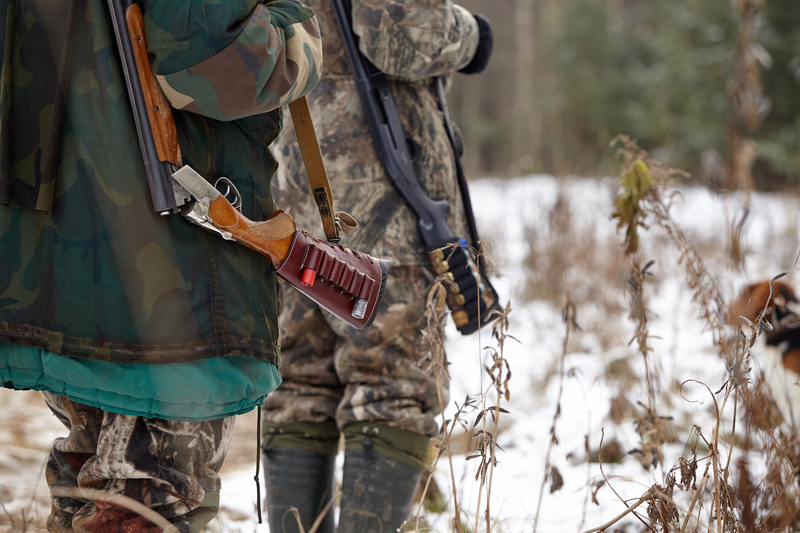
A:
{"points": [[471, 297]]}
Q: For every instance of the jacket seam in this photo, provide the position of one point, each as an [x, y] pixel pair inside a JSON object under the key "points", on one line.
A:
{"points": [[186, 352]]}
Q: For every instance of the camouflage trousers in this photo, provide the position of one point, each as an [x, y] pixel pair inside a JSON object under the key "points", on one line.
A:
{"points": [[378, 375], [169, 466]]}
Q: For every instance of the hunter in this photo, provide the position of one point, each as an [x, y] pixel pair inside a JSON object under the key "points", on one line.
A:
{"points": [[370, 385], [145, 334]]}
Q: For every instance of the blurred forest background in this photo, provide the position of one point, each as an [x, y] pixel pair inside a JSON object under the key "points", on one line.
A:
{"points": [[710, 86]]}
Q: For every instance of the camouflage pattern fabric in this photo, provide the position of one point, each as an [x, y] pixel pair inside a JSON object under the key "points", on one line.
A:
{"points": [[168, 466], [388, 227], [103, 276], [331, 371], [271, 79], [39, 74], [415, 39], [372, 376]]}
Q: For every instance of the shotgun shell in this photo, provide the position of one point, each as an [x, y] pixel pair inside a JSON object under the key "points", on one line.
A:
{"points": [[360, 308], [308, 277]]}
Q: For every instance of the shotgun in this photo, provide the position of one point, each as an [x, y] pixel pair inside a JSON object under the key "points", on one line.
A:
{"points": [[346, 283], [470, 296]]}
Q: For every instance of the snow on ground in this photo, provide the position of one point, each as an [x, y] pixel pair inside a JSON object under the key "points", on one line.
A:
{"points": [[683, 352], [507, 212], [519, 219]]}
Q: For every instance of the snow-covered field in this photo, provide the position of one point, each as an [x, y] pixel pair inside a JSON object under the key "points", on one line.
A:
{"points": [[545, 233]]}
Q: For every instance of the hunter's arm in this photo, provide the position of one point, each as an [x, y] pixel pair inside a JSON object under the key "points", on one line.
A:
{"points": [[415, 39], [233, 58]]}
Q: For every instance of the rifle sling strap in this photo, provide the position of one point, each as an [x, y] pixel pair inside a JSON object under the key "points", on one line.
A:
{"points": [[332, 222]]}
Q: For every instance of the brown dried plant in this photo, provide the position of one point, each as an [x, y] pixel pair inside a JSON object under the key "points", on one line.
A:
{"points": [[499, 373], [436, 359], [550, 471], [740, 501], [654, 202]]}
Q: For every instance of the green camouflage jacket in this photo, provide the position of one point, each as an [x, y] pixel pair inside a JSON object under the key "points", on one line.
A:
{"points": [[411, 41], [87, 268]]}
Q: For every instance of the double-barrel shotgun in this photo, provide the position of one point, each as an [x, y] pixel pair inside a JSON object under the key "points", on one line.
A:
{"points": [[347, 283]]}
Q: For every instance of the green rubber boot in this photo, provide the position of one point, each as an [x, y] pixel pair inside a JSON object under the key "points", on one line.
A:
{"points": [[298, 477], [382, 467]]}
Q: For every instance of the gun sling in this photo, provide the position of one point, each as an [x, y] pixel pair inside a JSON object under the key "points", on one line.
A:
{"points": [[317, 175]]}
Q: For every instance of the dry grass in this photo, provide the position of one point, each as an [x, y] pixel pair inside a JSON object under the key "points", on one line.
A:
{"points": [[739, 475], [568, 261], [485, 407], [720, 490]]}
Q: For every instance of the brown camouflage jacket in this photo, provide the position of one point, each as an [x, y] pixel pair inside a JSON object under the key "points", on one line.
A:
{"points": [[87, 268], [411, 41]]}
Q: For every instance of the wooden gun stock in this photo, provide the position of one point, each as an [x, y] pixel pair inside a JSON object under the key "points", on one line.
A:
{"points": [[162, 124], [270, 238]]}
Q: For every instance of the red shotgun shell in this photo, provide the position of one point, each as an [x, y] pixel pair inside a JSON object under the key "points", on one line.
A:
{"points": [[308, 277]]}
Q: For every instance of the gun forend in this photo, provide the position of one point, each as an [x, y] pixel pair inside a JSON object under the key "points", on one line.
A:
{"points": [[162, 122], [153, 118]]}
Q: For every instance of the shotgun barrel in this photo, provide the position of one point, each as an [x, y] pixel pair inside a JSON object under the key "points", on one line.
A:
{"points": [[159, 171], [391, 144]]}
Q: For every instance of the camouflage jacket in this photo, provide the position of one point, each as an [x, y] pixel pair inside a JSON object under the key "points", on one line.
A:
{"points": [[411, 41], [87, 268]]}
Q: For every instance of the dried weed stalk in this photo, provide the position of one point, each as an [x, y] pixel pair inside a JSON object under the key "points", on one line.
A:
{"points": [[638, 315], [550, 471], [486, 449], [499, 373], [433, 337], [646, 194], [736, 251]]}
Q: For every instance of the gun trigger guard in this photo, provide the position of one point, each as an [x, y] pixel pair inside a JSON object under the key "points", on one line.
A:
{"points": [[231, 190]]}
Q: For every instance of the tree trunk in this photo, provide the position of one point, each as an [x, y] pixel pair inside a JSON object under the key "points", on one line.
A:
{"points": [[744, 89], [526, 133]]}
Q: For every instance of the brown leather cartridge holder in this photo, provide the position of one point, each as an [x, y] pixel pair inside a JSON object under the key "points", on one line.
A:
{"points": [[347, 283]]}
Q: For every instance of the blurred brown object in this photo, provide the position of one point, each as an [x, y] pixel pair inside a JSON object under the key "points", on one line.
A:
{"points": [[785, 322], [434, 499]]}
